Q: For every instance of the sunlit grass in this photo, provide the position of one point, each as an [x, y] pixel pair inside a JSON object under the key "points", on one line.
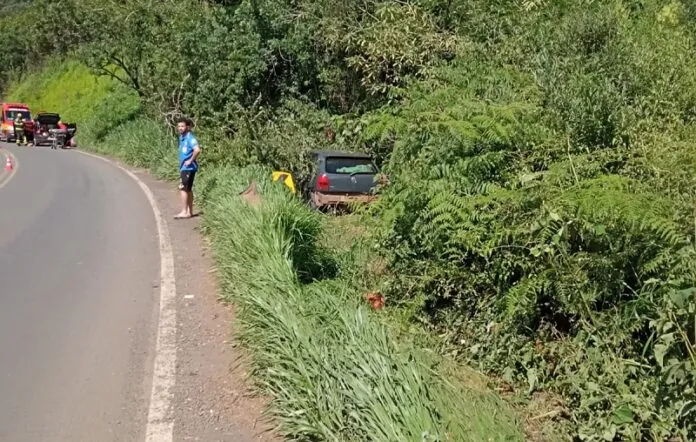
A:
{"points": [[333, 369]]}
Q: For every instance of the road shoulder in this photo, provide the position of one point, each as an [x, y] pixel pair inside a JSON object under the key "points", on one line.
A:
{"points": [[212, 398]]}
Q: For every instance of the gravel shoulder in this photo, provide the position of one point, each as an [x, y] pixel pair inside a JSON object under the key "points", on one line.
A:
{"points": [[213, 400]]}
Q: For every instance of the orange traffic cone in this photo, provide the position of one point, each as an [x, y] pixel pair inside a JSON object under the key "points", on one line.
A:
{"points": [[8, 164]]}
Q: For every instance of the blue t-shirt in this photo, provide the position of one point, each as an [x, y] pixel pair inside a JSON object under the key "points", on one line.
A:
{"points": [[186, 144]]}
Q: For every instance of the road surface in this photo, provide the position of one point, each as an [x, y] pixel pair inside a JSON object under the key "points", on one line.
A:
{"points": [[79, 275]]}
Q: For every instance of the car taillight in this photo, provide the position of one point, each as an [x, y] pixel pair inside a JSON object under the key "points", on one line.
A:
{"points": [[323, 182]]}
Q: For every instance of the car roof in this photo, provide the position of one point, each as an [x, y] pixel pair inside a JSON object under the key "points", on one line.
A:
{"points": [[15, 105], [330, 153]]}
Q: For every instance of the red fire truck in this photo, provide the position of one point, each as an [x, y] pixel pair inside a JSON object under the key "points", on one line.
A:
{"points": [[8, 112]]}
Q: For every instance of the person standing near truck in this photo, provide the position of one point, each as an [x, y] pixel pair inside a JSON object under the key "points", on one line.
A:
{"points": [[189, 150], [20, 134]]}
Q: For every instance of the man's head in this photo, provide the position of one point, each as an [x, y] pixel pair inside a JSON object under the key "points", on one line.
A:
{"points": [[183, 125]]}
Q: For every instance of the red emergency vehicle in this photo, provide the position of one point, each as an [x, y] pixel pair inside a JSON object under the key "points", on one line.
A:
{"points": [[8, 112]]}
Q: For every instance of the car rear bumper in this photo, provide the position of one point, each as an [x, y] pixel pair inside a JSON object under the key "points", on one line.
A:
{"points": [[335, 199]]}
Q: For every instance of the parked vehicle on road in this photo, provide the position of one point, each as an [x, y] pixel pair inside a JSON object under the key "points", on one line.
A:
{"points": [[48, 130], [44, 123], [341, 179], [8, 113]]}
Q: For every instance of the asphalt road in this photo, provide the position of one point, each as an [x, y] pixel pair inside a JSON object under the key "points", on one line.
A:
{"points": [[79, 268]]}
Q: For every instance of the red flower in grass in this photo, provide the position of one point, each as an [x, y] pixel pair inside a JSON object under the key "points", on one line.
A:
{"points": [[375, 299]]}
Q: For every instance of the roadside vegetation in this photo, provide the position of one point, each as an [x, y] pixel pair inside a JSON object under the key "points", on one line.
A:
{"points": [[538, 227]]}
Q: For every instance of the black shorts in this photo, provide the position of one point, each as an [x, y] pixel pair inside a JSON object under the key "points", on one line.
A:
{"points": [[186, 180]]}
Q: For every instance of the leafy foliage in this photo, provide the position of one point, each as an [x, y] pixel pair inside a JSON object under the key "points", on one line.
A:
{"points": [[529, 222], [78, 95], [541, 205], [332, 368]]}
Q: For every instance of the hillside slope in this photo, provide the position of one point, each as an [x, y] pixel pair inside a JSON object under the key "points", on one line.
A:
{"points": [[539, 222], [339, 349]]}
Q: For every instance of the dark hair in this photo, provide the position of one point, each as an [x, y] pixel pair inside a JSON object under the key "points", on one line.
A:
{"points": [[185, 120]]}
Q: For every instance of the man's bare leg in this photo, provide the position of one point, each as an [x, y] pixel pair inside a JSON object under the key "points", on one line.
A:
{"points": [[184, 197], [189, 203]]}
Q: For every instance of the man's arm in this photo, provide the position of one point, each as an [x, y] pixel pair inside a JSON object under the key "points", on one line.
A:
{"points": [[196, 151], [194, 156]]}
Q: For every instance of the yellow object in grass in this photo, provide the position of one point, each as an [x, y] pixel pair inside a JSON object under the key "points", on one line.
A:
{"points": [[285, 178]]}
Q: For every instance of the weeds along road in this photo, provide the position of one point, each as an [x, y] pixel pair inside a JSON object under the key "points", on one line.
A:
{"points": [[79, 275]]}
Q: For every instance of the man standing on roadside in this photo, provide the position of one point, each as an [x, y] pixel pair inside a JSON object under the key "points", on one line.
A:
{"points": [[188, 166]]}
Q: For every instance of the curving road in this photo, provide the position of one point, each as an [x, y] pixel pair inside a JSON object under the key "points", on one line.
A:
{"points": [[79, 273]]}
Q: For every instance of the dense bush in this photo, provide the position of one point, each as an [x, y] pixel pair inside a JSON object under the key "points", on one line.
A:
{"points": [[532, 218], [541, 207]]}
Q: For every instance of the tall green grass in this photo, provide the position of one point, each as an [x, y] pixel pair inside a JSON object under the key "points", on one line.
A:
{"points": [[142, 143], [330, 365]]}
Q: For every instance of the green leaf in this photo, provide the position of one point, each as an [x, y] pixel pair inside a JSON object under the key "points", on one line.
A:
{"points": [[600, 229], [528, 177], [680, 297], [508, 375], [532, 379], [609, 433], [622, 415], [592, 386], [660, 350], [687, 409]]}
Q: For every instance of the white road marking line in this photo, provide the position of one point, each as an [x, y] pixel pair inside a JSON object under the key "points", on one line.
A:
{"points": [[160, 419]]}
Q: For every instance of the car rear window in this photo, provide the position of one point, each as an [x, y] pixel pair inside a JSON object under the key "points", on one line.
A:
{"points": [[350, 165]]}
